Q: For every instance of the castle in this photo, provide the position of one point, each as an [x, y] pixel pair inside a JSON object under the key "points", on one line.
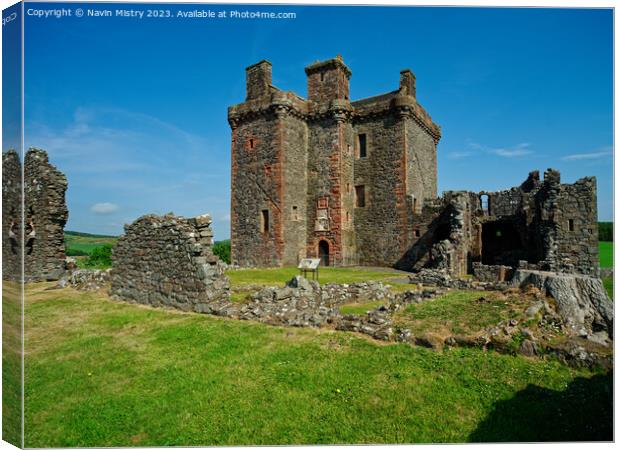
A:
{"points": [[355, 183]]}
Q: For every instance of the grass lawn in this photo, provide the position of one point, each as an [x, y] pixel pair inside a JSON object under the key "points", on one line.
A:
{"points": [[606, 253], [11, 363], [460, 312], [104, 373], [279, 276]]}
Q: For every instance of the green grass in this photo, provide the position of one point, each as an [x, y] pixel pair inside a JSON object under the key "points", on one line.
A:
{"points": [[86, 243], [104, 373], [279, 276], [458, 312], [608, 282], [606, 253], [11, 363]]}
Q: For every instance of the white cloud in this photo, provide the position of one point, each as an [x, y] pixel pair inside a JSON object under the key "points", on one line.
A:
{"points": [[474, 148], [512, 152], [587, 156], [104, 208], [459, 155]]}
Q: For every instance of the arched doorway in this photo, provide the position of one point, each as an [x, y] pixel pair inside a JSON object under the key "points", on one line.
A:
{"points": [[324, 253]]}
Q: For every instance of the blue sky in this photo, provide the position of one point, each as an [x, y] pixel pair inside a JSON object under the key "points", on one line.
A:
{"points": [[134, 111]]}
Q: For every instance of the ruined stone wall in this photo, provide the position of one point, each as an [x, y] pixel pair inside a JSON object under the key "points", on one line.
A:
{"points": [[573, 243], [548, 224], [256, 187], [45, 217], [12, 242], [168, 261]]}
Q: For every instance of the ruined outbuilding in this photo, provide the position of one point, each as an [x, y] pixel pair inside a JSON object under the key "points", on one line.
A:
{"points": [[355, 183], [542, 224], [39, 231]]}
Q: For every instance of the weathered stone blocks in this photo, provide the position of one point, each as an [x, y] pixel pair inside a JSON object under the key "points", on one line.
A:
{"points": [[168, 261], [37, 232]]}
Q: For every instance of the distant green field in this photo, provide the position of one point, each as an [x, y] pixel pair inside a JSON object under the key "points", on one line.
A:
{"points": [[83, 243], [606, 253]]}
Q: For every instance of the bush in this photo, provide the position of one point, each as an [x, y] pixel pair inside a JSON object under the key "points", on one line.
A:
{"points": [[100, 257], [221, 249], [606, 231]]}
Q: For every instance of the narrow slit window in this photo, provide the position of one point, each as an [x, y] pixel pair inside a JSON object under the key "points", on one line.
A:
{"points": [[361, 144], [484, 202], [417, 233], [360, 196], [571, 225], [264, 221]]}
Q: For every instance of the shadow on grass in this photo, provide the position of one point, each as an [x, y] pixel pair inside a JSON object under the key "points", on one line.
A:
{"points": [[581, 412]]}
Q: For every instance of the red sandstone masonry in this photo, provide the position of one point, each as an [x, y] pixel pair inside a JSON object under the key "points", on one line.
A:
{"points": [[331, 122]]}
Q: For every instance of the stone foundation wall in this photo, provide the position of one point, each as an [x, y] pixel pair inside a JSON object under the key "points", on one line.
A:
{"points": [[168, 261], [483, 272]]}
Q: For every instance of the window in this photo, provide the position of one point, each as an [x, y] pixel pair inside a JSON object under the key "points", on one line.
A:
{"points": [[416, 233], [264, 221], [250, 143], [322, 76], [295, 213], [571, 225], [484, 202], [361, 145], [360, 196], [415, 205]]}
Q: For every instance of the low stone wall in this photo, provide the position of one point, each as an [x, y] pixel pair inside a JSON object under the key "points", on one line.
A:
{"points": [[441, 278], [168, 261], [490, 273]]}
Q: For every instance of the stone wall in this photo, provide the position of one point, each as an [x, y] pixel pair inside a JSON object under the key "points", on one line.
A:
{"points": [[256, 187], [45, 217], [11, 216], [168, 261], [483, 272], [379, 226]]}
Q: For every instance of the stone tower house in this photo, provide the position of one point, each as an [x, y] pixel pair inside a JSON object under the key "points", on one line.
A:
{"points": [[326, 176]]}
